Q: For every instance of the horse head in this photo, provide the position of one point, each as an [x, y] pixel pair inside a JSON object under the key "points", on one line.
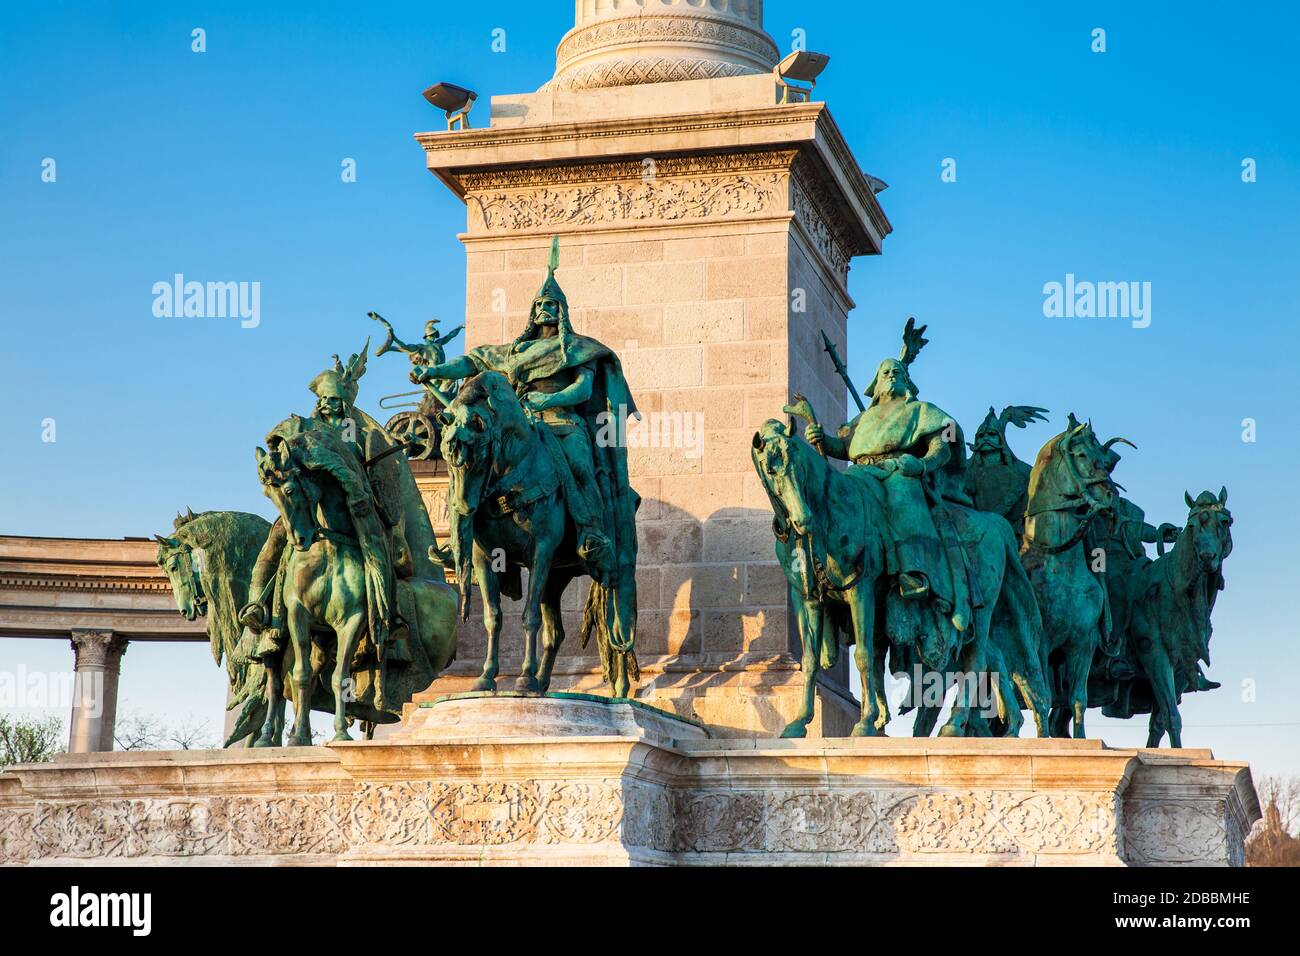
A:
{"points": [[176, 558], [1072, 474], [469, 434], [781, 462], [1208, 529], [294, 494]]}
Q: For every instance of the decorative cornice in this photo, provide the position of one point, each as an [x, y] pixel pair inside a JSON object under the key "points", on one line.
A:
{"points": [[35, 582]]}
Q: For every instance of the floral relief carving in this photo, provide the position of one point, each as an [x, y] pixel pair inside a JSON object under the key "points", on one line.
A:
{"points": [[16, 842], [1166, 832]]}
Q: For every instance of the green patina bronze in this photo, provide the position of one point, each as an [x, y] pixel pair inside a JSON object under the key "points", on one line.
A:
{"points": [[891, 552], [538, 480], [1034, 580], [340, 605], [996, 480]]}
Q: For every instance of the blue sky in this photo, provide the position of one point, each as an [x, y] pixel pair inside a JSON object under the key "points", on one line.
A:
{"points": [[1115, 166]]}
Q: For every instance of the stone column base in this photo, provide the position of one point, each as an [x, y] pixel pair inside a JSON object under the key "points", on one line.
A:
{"points": [[644, 789]]}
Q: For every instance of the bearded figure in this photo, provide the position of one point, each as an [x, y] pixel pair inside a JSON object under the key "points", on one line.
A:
{"points": [[917, 450], [574, 385]]}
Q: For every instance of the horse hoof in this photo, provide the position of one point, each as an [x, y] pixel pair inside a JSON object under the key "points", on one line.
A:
{"points": [[526, 683], [796, 728], [863, 728], [484, 684], [342, 735]]}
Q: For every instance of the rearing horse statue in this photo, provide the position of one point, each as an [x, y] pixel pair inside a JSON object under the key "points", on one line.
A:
{"points": [[831, 541]]}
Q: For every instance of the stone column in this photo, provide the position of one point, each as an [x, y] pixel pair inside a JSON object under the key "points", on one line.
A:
{"points": [[94, 706]]}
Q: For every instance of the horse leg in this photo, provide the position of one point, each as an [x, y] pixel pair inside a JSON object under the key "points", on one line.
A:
{"points": [[862, 607], [1170, 721], [490, 591], [811, 620], [1078, 664], [300, 634], [345, 645], [974, 666], [552, 628], [274, 704], [281, 671], [539, 572]]}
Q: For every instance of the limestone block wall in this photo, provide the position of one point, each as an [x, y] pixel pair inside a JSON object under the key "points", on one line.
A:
{"points": [[711, 277]]}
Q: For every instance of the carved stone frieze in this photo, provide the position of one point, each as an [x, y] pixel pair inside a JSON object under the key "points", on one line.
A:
{"points": [[1165, 832], [667, 189]]}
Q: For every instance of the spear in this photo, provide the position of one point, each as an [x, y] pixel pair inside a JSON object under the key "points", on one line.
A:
{"points": [[842, 370]]}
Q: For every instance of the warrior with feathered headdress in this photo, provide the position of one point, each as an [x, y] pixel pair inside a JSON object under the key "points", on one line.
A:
{"points": [[916, 449]]}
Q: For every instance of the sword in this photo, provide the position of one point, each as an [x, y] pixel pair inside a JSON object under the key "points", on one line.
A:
{"points": [[842, 370]]}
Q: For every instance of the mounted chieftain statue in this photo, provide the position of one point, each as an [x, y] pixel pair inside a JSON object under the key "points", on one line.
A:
{"points": [[996, 480], [349, 556], [538, 470], [891, 550]]}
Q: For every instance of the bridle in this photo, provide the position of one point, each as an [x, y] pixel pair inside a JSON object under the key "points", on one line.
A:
{"points": [[782, 527], [1072, 495]]}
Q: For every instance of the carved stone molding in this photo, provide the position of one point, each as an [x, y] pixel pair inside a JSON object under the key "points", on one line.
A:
{"points": [[885, 821], [689, 45], [176, 827], [426, 813]]}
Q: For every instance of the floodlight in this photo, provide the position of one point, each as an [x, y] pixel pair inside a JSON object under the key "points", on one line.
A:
{"points": [[454, 100], [802, 66]]}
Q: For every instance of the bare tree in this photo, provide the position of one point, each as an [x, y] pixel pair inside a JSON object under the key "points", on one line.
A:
{"points": [[136, 731], [29, 739], [1273, 840], [191, 733]]}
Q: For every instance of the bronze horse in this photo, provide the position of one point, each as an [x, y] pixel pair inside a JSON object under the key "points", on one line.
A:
{"points": [[831, 543], [508, 512], [1069, 488]]}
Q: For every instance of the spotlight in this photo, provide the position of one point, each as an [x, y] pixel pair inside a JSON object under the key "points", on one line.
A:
{"points": [[454, 100], [802, 66]]}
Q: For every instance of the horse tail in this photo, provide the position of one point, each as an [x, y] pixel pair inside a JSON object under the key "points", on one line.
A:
{"points": [[253, 713]]}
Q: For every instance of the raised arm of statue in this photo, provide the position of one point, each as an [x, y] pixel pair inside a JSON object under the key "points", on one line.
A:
{"points": [[460, 367], [575, 394], [444, 339]]}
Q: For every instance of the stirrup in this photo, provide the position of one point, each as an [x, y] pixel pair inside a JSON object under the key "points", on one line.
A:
{"points": [[911, 586]]}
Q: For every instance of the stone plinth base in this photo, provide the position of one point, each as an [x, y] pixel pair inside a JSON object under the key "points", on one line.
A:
{"points": [[645, 789], [734, 700]]}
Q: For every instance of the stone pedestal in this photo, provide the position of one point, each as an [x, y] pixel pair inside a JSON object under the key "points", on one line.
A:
{"points": [[94, 695], [470, 782], [705, 235]]}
